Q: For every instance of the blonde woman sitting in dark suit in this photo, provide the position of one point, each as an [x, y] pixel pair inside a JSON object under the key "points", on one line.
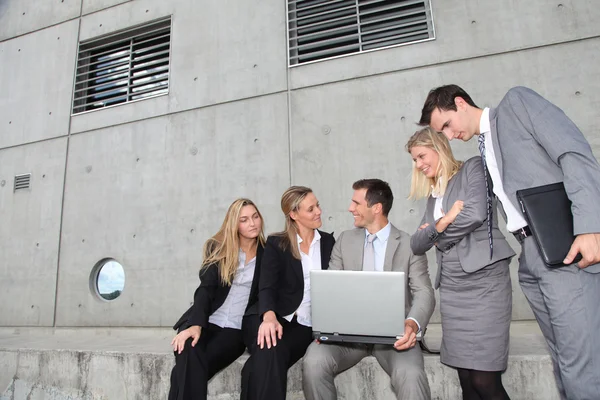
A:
{"points": [[210, 332], [279, 330], [473, 275]]}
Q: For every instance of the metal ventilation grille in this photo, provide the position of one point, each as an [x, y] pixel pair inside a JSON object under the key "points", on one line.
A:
{"points": [[122, 67], [320, 29], [22, 181]]}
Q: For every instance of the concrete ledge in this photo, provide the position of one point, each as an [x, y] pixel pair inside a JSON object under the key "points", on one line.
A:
{"points": [[112, 364]]}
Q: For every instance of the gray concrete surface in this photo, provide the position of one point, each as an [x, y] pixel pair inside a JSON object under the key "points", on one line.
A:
{"points": [[122, 363], [90, 6], [29, 232], [467, 30], [255, 126], [221, 51], [148, 182], [150, 197], [25, 16], [36, 89]]}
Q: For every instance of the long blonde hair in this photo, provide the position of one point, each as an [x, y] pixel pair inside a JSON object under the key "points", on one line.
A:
{"points": [[422, 186], [290, 201], [223, 248]]}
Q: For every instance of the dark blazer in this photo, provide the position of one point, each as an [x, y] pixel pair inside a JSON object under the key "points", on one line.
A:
{"points": [[469, 231], [281, 286], [211, 295]]}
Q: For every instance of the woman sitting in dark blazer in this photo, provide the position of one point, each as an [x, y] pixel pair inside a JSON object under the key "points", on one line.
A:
{"points": [[473, 275], [210, 332], [278, 335]]}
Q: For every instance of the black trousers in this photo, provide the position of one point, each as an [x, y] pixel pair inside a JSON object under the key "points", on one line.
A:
{"points": [[217, 348], [264, 376]]}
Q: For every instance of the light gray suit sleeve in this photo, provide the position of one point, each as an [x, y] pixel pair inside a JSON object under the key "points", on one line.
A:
{"points": [[423, 239], [568, 148], [336, 262], [419, 283], [474, 212]]}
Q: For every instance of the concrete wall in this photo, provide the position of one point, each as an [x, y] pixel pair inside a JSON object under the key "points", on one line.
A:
{"points": [[146, 183]]}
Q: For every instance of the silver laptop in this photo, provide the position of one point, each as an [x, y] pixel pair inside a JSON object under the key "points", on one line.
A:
{"points": [[357, 306]]}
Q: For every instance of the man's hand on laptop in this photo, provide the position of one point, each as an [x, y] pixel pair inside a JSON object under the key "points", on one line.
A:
{"points": [[409, 339], [269, 330]]}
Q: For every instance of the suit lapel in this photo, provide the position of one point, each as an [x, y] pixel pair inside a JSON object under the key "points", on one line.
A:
{"points": [[429, 210], [446, 204], [259, 252], [325, 244], [357, 249], [390, 250]]}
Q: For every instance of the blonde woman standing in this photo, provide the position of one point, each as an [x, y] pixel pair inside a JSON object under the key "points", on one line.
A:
{"points": [[278, 335], [473, 276], [210, 332]]}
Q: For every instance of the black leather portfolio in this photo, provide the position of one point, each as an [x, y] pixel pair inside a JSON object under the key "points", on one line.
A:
{"points": [[547, 210]]}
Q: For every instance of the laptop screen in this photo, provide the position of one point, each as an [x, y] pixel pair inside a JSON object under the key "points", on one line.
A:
{"points": [[358, 302]]}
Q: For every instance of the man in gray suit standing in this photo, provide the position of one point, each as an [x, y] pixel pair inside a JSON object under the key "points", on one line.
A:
{"points": [[527, 142], [376, 245]]}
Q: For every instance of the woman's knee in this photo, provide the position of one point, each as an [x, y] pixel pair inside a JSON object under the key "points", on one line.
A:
{"points": [[486, 382]]}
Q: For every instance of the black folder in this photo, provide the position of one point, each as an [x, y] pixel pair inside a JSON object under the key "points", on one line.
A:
{"points": [[547, 210]]}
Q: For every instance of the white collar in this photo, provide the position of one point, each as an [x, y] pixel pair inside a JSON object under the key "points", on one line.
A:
{"points": [[316, 238], [383, 234], [484, 122]]}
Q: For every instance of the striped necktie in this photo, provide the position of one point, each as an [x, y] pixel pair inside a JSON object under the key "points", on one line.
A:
{"points": [[488, 195]]}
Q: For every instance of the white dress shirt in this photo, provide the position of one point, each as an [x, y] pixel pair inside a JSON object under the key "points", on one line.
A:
{"points": [[514, 218], [310, 261], [230, 314], [380, 246], [437, 207]]}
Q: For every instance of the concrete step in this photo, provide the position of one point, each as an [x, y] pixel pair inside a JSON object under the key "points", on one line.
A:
{"points": [[127, 363]]}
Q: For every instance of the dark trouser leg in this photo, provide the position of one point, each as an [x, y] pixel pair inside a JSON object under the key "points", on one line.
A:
{"points": [[265, 374], [216, 349], [250, 326], [223, 349]]}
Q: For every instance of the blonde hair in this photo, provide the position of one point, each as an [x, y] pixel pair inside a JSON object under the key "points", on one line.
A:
{"points": [[422, 186], [223, 248], [290, 201]]}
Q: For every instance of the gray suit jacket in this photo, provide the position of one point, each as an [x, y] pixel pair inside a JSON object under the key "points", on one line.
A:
{"points": [[538, 145], [419, 303], [469, 231]]}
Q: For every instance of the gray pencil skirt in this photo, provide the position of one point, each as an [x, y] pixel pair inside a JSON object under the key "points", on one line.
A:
{"points": [[476, 312]]}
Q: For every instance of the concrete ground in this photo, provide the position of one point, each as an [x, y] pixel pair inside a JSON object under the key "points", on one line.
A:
{"points": [[135, 363]]}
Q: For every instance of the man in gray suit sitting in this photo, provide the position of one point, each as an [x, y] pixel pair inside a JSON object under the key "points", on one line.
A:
{"points": [[376, 245], [527, 142]]}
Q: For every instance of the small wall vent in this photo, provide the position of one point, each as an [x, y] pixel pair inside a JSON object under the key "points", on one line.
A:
{"points": [[22, 182]]}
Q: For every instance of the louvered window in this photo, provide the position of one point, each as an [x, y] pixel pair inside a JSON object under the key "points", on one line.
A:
{"points": [[122, 67], [22, 181], [320, 29]]}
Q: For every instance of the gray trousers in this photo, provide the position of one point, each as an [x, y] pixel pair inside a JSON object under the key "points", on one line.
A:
{"points": [[565, 302], [322, 362]]}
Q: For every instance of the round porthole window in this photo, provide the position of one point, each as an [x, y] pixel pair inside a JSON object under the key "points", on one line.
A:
{"points": [[107, 279]]}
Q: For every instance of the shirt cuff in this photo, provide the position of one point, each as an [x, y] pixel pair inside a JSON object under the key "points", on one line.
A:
{"points": [[416, 322]]}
